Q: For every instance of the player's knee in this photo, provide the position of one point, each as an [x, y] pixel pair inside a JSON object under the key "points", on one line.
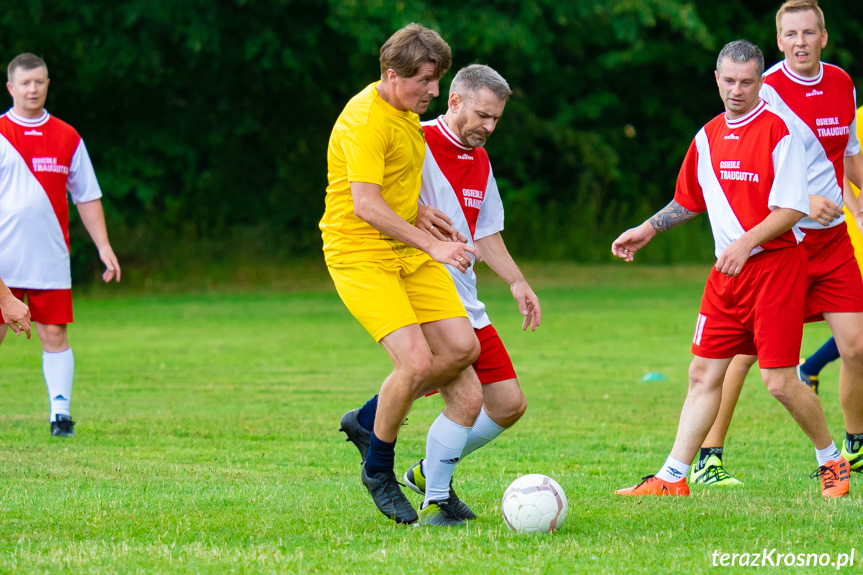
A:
{"points": [[53, 337], [701, 379], [416, 369], [778, 386], [465, 351], [853, 353], [512, 412]]}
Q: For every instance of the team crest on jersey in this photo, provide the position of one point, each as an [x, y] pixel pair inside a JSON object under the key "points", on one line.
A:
{"points": [[32, 133], [49, 165]]}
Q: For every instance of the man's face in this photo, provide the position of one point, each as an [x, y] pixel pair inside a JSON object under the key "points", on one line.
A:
{"points": [[28, 89], [474, 118], [801, 40], [739, 83], [415, 93]]}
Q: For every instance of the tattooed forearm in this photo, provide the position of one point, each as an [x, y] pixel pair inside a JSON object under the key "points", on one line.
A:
{"points": [[671, 215]]}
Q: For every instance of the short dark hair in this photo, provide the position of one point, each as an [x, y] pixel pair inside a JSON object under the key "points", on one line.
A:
{"points": [[27, 61], [413, 46], [741, 51]]}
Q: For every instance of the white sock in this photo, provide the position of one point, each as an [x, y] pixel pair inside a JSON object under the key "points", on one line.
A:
{"points": [[484, 430], [673, 470], [829, 453], [444, 446], [59, 369]]}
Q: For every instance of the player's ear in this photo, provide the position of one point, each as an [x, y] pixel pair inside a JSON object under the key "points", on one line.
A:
{"points": [[823, 39], [454, 101]]}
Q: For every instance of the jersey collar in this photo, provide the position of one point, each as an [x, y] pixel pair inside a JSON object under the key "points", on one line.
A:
{"points": [[750, 115], [803, 79], [449, 134], [27, 122]]}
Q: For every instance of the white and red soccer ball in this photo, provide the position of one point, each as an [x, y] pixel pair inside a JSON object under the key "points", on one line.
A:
{"points": [[534, 504]]}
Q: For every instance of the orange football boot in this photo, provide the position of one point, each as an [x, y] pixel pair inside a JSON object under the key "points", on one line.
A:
{"points": [[834, 478], [652, 485]]}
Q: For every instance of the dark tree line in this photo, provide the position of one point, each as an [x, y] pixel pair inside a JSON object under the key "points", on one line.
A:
{"points": [[208, 120]]}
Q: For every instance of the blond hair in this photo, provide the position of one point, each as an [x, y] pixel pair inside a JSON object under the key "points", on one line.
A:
{"points": [[792, 6], [413, 46]]}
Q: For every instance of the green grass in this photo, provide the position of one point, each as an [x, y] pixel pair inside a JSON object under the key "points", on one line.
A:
{"points": [[207, 439]]}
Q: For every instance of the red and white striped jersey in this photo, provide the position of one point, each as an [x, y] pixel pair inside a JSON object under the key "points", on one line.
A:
{"points": [[40, 159], [458, 180], [822, 109], [739, 170]]}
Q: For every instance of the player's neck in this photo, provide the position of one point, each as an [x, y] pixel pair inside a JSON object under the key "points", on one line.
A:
{"points": [[450, 123], [385, 91], [29, 114], [806, 72]]}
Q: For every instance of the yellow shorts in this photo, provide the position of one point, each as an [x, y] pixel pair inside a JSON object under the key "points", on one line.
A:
{"points": [[385, 295]]}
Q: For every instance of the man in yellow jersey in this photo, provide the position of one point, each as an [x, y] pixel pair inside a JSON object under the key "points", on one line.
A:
{"points": [[389, 273]]}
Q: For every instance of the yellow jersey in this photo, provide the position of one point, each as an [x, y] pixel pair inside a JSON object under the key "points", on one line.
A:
{"points": [[375, 143], [853, 230]]}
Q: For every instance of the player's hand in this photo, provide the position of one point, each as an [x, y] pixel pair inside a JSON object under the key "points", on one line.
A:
{"points": [[112, 266], [438, 224], [823, 210], [455, 254], [733, 258], [16, 315], [528, 305], [858, 219], [632, 240]]}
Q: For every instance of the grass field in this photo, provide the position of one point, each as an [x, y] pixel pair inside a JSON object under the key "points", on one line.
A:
{"points": [[207, 440]]}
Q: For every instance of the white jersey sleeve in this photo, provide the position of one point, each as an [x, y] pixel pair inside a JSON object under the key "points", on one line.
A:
{"points": [[853, 147], [82, 183]]}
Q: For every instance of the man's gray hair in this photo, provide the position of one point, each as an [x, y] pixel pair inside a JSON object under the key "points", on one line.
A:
{"points": [[741, 51], [470, 79]]}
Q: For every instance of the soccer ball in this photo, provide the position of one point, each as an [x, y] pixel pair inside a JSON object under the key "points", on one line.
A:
{"points": [[534, 504]]}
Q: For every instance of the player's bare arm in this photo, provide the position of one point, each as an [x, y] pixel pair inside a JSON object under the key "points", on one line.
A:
{"points": [[494, 253], [93, 218], [370, 206], [735, 256], [438, 224], [634, 239], [16, 315]]}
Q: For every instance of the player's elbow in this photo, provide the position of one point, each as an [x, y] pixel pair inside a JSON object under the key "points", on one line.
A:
{"points": [[362, 209]]}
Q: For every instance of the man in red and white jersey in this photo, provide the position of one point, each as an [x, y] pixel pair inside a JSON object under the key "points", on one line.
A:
{"points": [[819, 100], [459, 201], [41, 158], [746, 169]]}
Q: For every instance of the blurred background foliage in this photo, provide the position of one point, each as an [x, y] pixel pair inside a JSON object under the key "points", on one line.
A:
{"points": [[208, 120]]}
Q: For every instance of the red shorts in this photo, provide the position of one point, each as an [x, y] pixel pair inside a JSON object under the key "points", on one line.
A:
{"points": [[834, 283], [493, 363], [760, 312], [47, 306]]}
